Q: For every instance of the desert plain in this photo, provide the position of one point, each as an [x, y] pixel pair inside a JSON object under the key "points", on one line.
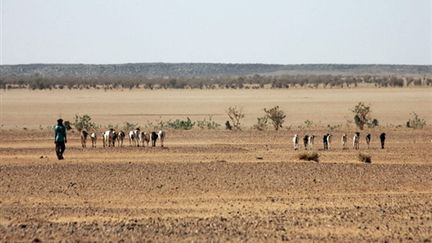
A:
{"points": [[216, 185]]}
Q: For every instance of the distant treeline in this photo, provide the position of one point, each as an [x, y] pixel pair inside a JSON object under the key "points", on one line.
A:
{"points": [[226, 82]]}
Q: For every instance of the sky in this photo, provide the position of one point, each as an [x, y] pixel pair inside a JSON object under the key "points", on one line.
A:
{"points": [[217, 31]]}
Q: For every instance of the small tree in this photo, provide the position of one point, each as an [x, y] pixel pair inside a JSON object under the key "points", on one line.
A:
{"points": [[84, 123], [235, 114], [362, 116], [276, 115], [415, 121]]}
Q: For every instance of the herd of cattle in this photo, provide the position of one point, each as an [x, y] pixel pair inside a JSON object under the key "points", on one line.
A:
{"points": [[136, 138], [308, 141], [139, 138]]}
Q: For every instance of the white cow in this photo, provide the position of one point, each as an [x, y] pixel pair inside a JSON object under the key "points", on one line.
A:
{"points": [[329, 140], [295, 142], [109, 138], [161, 135], [356, 141], [344, 140], [93, 139], [134, 137]]}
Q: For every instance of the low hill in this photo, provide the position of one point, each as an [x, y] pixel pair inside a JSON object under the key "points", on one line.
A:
{"points": [[205, 70]]}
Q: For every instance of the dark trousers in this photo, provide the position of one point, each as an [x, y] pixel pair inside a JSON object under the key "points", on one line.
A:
{"points": [[60, 148]]}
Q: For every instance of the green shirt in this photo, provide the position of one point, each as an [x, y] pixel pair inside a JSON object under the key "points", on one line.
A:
{"points": [[60, 133]]}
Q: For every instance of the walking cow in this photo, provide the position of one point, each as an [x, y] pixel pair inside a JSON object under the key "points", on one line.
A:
{"points": [[93, 139], [84, 135], [356, 141], [382, 139], [368, 139], [344, 141], [295, 141]]}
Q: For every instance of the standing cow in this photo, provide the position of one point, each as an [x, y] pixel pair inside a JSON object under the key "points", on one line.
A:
{"points": [[120, 137], [325, 141], [295, 141], [344, 140], [356, 141], [368, 139], [109, 137], [134, 137], [305, 141], [84, 135], [311, 141], [161, 135], [93, 139], [382, 139], [144, 138], [329, 136]]}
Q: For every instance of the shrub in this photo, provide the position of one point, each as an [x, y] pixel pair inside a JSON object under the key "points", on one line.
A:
{"points": [[362, 116], [276, 115], [261, 123], [309, 156], [365, 158], [209, 124], [415, 121], [84, 123], [235, 114], [308, 123], [180, 124]]}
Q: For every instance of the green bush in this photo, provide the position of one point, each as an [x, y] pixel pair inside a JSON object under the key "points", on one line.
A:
{"points": [[180, 124], [362, 116], [208, 124], [277, 117], [235, 114], [261, 123], [84, 123], [415, 121]]}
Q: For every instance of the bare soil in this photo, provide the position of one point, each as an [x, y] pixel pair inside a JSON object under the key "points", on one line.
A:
{"points": [[216, 186]]}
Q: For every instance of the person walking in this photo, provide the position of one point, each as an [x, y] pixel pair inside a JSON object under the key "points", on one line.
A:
{"points": [[60, 139]]}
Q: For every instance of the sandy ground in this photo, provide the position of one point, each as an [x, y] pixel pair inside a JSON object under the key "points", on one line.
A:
{"points": [[216, 186], [32, 109]]}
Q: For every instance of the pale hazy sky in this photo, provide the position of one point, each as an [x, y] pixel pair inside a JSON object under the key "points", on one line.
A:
{"points": [[228, 31]]}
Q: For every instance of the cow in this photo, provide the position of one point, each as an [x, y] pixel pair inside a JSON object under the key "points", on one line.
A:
{"points": [[144, 138], [108, 138], [382, 139], [356, 141], [368, 139], [325, 141], [311, 141], [84, 135], [328, 140], [134, 137], [305, 141], [161, 135], [295, 141], [344, 140], [93, 139], [120, 137], [154, 136]]}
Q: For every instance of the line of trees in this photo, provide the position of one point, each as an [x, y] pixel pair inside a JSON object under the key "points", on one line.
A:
{"points": [[241, 82]]}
